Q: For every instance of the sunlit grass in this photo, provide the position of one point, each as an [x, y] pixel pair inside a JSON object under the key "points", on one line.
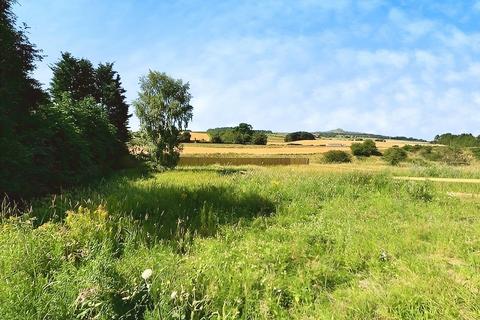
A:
{"points": [[304, 242]]}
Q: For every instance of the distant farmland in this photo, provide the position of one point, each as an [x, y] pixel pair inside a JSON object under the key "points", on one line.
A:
{"points": [[276, 146]]}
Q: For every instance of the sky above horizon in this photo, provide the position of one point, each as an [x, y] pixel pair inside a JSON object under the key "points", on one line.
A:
{"points": [[409, 68]]}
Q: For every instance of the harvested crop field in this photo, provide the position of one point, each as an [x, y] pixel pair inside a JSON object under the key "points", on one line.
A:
{"points": [[238, 161], [276, 146], [199, 136]]}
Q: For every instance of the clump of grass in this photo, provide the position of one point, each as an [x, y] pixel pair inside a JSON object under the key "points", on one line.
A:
{"points": [[337, 156]]}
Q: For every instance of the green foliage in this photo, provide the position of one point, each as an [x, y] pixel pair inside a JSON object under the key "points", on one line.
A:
{"points": [[276, 243], [20, 96], [413, 148], [460, 140], [259, 138], [46, 146], [80, 80], [111, 95], [163, 107], [475, 152], [185, 136], [241, 134], [420, 191], [448, 155], [395, 155], [74, 76], [216, 138], [299, 135], [244, 129], [337, 156], [365, 149]]}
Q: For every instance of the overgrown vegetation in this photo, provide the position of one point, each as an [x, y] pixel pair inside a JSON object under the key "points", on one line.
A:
{"points": [[395, 155], [454, 156], [241, 243], [337, 156], [365, 149], [46, 145]]}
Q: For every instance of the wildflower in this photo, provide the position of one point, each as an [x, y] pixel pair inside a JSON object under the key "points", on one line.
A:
{"points": [[146, 274]]}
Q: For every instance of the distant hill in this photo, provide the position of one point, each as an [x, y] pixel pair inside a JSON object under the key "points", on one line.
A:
{"points": [[352, 134]]}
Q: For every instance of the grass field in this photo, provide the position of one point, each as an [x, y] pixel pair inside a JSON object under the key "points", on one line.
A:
{"points": [[302, 242]]}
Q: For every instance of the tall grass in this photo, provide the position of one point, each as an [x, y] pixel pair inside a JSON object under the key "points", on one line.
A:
{"points": [[268, 243]]}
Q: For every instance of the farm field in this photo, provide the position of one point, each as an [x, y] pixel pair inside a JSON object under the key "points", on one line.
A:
{"points": [[298, 242], [276, 146]]}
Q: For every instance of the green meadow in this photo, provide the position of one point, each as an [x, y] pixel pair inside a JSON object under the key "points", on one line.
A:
{"points": [[244, 243]]}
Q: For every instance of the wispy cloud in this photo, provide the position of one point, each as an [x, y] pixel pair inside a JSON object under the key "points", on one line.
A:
{"points": [[313, 65]]}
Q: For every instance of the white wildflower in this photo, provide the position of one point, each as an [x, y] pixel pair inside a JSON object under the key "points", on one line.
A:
{"points": [[146, 274]]}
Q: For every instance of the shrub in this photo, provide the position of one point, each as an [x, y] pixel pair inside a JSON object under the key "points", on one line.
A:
{"points": [[299, 135], [184, 137], [259, 138], [447, 155], [413, 148], [476, 153], [67, 143], [365, 149], [337, 156], [454, 157], [216, 138], [394, 156]]}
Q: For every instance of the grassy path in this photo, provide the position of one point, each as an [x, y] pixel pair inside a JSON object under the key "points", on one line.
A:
{"points": [[457, 180]]}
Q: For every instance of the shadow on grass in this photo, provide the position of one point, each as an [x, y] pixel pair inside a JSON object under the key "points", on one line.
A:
{"points": [[172, 212], [224, 171], [163, 212]]}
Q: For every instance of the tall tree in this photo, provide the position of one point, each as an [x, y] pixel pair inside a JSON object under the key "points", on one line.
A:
{"points": [[111, 95], [74, 76], [19, 92], [19, 95], [163, 107]]}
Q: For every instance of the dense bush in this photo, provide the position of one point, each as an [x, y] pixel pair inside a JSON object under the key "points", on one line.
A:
{"points": [[216, 138], [395, 155], [447, 155], [299, 135], [337, 156], [48, 145], [365, 149], [475, 152], [413, 148], [185, 136], [259, 138], [241, 134], [454, 157]]}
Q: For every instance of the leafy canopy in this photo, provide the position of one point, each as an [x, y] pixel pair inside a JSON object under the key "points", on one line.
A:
{"points": [[164, 110]]}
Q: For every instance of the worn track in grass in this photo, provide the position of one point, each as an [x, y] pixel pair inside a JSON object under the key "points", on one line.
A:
{"points": [[457, 180]]}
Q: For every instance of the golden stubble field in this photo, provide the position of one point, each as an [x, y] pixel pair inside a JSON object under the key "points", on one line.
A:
{"points": [[276, 146]]}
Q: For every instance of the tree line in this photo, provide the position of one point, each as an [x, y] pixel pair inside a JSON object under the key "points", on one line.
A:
{"points": [[75, 130], [241, 134], [463, 140]]}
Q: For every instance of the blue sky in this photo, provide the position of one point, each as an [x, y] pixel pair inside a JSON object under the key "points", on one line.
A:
{"points": [[392, 67]]}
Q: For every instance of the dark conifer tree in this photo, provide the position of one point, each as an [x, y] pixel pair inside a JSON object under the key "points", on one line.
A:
{"points": [[111, 95], [74, 76], [20, 94]]}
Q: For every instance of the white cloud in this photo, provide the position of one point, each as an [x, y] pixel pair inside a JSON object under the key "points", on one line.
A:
{"points": [[316, 65]]}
